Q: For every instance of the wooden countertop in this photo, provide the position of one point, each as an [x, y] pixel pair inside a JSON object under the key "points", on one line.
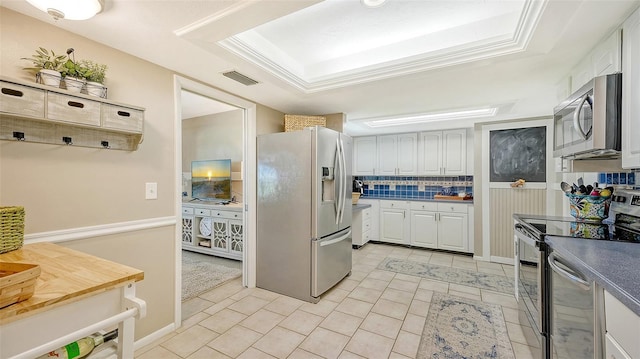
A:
{"points": [[67, 276]]}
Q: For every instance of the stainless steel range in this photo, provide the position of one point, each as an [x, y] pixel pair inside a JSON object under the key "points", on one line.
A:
{"points": [[539, 272]]}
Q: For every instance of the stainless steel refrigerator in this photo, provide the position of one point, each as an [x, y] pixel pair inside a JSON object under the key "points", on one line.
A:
{"points": [[304, 211]]}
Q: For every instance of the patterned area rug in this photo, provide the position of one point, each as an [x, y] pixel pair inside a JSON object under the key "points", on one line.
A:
{"points": [[200, 276], [492, 282], [464, 328]]}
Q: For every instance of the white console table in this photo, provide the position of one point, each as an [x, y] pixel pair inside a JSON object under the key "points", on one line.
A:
{"points": [[213, 229]]}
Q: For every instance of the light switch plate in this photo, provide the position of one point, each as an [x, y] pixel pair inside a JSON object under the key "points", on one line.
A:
{"points": [[151, 190], [392, 187]]}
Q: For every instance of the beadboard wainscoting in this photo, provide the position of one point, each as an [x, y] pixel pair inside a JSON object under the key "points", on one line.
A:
{"points": [[504, 202]]}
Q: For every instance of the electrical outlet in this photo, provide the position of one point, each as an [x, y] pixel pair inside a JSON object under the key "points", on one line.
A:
{"points": [[421, 187], [151, 190], [392, 187]]}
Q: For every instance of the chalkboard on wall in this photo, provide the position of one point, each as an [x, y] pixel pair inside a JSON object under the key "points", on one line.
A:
{"points": [[518, 153]]}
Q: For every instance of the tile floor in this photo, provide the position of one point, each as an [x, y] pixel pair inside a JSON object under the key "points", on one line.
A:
{"points": [[371, 314]]}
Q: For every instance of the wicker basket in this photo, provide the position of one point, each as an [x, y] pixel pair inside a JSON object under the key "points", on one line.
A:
{"points": [[11, 228], [17, 282], [299, 122]]}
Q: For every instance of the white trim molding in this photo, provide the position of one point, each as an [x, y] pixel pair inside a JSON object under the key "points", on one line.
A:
{"points": [[72, 234]]}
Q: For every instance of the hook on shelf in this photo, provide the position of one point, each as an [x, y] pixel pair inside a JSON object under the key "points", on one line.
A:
{"points": [[105, 144], [18, 135], [67, 140]]}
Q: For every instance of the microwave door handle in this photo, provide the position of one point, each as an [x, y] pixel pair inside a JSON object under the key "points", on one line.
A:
{"points": [[576, 118]]}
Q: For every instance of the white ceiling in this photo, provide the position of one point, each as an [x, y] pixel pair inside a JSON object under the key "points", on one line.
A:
{"points": [[195, 105], [523, 79]]}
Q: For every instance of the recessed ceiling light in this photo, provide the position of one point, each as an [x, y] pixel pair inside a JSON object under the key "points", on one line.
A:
{"points": [[69, 10], [373, 3], [422, 118]]}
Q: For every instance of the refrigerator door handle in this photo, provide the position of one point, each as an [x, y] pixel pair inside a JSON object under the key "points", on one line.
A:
{"points": [[338, 177], [335, 240], [343, 172]]}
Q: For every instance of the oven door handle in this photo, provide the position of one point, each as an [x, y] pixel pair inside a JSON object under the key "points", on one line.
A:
{"points": [[573, 277]]}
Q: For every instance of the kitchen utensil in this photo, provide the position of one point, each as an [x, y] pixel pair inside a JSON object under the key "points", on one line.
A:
{"points": [[580, 181], [566, 188]]}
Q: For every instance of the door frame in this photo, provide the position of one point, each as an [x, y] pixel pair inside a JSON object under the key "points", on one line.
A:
{"points": [[248, 183], [487, 185]]}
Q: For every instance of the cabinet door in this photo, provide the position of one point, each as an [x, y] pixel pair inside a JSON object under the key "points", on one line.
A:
{"points": [[393, 226], [454, 152], [236, 237], [407, 154], [387, 155], [453, 232], [187, 230], [606, 56], [424, 229], [365, 155], [631, 92], [220, 234], [430, 153]]}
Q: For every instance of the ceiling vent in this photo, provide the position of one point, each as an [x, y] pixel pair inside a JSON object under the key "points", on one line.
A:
{"points": [[235, 75]]}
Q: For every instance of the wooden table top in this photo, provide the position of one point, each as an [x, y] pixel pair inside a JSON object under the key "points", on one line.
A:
{"points": [[67, 275]]}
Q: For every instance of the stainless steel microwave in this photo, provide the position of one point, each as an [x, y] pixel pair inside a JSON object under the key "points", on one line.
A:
{"points": [[588, 123]]}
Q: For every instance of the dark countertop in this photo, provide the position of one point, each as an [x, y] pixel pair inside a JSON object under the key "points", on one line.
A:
{"points": [[611, 264], [416, 199], [360, 206]]}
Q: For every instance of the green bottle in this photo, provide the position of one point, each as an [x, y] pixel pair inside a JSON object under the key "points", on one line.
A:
{"points": [[82, 347]]}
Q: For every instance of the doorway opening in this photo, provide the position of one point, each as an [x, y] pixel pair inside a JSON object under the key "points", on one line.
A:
{"points": [[215, 235]]}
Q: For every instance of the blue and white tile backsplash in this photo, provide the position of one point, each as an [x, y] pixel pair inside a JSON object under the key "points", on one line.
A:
{"points": [[618, 178], [413, 187]]}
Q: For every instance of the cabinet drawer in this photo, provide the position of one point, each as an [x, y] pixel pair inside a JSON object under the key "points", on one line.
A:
{"points": [[187, 210], [424, 206], [366, 236], [224, 214], [73, 109], [122, 118], [21, 100], [203, 212], [395, 204], [613, 350], [366, 225], [452, 207], [366, 214]]}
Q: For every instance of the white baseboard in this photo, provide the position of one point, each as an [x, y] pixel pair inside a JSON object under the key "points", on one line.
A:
{"points": [[502, 260], [149, 339], [71, 234]]}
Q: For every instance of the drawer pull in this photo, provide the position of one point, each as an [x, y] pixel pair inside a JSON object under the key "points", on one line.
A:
{"points": [[124, 113], [75, 104], [12, 92]]}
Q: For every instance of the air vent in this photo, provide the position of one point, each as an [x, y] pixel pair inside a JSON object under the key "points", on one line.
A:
{"points": [[235, 75]]}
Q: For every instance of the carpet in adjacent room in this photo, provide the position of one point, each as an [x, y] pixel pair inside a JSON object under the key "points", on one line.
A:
{"points": [[200, 275]]}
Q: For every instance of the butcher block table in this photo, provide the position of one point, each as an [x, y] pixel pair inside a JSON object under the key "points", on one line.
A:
{"points": [[76, 295]]}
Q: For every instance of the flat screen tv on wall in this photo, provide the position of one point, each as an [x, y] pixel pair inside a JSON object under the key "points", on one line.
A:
{"points": [[211, 180]]}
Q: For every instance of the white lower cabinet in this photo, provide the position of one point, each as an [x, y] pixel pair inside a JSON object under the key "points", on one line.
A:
{"points": [[374, 221], [361, 227], [208, 229], [394, 222], [425, 224], [622, 328]]}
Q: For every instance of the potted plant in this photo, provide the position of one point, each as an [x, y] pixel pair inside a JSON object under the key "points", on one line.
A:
{"points": [[95, 73], [73, 73], [48, 65]]}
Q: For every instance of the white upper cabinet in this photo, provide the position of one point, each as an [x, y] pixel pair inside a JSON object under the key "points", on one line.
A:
{"points": [[365, 154], [443, 153], [604, 59], [397, 154], [631, 92]]}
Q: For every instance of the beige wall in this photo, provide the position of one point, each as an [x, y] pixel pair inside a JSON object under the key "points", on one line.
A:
{"points": [[217, 136], [268, 120], [70, 187]]}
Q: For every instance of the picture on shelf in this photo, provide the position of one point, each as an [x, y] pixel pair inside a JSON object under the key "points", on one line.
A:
{"points": [[211, 180]]}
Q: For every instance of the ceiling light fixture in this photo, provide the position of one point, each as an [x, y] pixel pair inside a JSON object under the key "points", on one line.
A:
{"points": [[373, 3], [422, 118], [69, 9]]}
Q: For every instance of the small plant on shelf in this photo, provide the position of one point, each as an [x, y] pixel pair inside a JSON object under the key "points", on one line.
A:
{"points": [[74, 73], [48, 65], [95, 71]]}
